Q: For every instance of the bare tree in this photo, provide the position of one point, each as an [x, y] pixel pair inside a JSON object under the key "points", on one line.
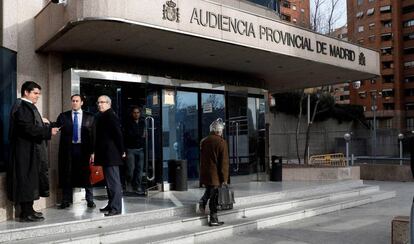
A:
{"points": [[324, 15], [316, 15]]}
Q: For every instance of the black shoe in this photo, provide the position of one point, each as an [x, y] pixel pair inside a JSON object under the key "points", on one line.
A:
{"points": [[37, 214], [31, 218], [215, 223], [91, 205], [105, 209], [202, 207], [64, 205], [112, 213]]}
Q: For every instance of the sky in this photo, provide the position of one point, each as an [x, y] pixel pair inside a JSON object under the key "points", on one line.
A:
{"points": [[341, 11]]}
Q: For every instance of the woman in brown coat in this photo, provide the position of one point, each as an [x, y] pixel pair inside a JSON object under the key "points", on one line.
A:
{"points": [[214, 169]]}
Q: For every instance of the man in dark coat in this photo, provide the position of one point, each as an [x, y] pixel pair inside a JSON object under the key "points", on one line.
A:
{"points": [[214, 168], [27, 168], [75, 150], [109, 153], [135, 142]]}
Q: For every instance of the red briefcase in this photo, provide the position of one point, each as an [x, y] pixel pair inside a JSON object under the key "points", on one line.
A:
{"points": [[96, 175]]}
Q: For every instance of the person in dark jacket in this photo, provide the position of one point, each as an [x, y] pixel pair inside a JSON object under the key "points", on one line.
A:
{"points": [[135, 142], [109, 153], [27, 177], [214, 168], [75, 150]]}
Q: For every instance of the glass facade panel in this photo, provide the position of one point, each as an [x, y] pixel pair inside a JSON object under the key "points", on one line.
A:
{"points": [[271, 4], [7, 98]]}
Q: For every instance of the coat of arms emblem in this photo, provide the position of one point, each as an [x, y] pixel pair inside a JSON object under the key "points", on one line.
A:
{"points": [[362, 59], [170, 11]]}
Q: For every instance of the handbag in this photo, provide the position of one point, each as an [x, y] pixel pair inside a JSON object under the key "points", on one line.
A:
{"points": [[225, 198], [96, 174]]}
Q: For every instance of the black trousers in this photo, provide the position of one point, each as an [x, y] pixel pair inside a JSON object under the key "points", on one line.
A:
{"points": [[26, 209], [211, 193], [113, 187]]}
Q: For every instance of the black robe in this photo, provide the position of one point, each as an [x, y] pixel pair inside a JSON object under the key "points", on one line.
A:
{"points": [[71, 173], [27, 167]]}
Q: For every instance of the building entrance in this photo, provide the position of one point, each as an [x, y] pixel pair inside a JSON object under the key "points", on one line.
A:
{"points": [[177, 118]]}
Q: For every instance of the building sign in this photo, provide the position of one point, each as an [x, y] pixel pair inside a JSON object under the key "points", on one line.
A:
{"points": [[242, 27], [232, 25]]}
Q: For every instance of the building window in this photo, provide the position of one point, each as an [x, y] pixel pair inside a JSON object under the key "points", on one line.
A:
{"points": [[410, 123], [409, 92], [409, 79], [362, 94], [371, 38], [408, 9], [302, 10], [387, 23], [388, 79], [371, 26], [359, 2], [387, 93], [294, 20], [386, 37], [370, 11], [294, 7], [361, 28], [388, 122], [409, 36], [386, 50], [361, 41], [360, 14], [286, 4], [388, 106], [408, 23], [371, 1], [285, 17], [385, 9], [410, 106], [409, 50], [388, 65], [409, 65]]}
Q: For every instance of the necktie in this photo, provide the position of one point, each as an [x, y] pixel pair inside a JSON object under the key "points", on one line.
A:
{"points": [[75, 127]]}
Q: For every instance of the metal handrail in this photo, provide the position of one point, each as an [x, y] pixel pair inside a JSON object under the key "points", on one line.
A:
{"points": [[153, 146], [236, 145]]}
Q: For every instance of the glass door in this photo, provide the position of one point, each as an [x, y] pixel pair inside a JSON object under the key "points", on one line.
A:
{"points": [[238, 134], [180, 128]]}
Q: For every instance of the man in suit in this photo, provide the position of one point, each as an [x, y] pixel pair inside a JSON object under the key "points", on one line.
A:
{"points": [[214, 168], [109, 153], [27, 169], [75, 150]]}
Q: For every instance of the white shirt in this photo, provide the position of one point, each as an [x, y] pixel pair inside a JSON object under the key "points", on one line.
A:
{"points": [[79, 124], [27, 100]]}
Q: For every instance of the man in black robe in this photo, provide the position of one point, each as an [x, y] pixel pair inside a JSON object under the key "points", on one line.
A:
{"points": [[75, 150], [27, 168]]}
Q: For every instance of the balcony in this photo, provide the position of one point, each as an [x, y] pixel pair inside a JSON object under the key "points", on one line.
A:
{"points": [[386, 57], [380, 113], [387, 71]]}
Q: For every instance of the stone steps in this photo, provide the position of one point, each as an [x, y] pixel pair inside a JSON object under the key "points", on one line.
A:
{"points": [[180, 223]]}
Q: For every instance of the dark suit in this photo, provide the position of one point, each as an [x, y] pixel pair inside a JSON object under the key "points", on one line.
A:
{"points": [[74, 156], [109, 148], [28, 157]]}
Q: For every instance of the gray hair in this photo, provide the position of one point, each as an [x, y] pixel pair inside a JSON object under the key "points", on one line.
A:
{"points": [[108, 99], [217, 126]]}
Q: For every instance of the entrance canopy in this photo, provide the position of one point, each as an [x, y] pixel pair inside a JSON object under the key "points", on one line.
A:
{"points": [[206, 34]]}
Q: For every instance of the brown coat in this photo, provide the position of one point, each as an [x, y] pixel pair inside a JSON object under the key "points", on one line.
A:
{"points": [[214, 168]]}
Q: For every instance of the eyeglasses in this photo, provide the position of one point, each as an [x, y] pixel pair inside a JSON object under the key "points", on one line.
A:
{"points": [[99, 102]]}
